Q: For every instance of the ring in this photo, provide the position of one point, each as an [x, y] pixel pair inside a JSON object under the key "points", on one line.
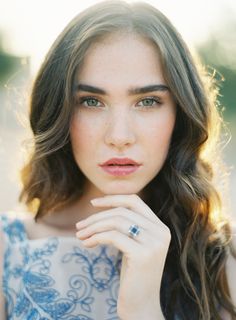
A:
{"points": [[134, 230]]}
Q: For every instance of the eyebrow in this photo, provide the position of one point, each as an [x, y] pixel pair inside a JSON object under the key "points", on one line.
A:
{"points": [[132, 91]]}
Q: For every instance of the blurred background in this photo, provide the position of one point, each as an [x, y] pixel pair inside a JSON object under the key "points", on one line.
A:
{"points": [[28, 28]]}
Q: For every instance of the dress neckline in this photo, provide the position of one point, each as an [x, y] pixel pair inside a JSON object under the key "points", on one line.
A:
{"points": [[17, 226]]}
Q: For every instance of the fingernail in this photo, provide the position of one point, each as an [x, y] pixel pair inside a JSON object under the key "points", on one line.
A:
{"points": [[94, 201], [80, 234], [80, 224]]}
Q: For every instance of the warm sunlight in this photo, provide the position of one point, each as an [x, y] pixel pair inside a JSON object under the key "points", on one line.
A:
{"points": [[30, 27]]}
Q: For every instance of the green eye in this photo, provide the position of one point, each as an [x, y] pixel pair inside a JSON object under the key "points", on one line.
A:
{"points": [[95, 103], [92, 102], [149, 102], [89, 102]]}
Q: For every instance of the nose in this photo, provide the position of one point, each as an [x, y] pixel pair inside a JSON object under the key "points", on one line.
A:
{"points": [[119, 131]]}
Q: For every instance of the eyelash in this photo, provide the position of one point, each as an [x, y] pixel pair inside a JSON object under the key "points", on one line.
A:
{"points": [[154, 99]]}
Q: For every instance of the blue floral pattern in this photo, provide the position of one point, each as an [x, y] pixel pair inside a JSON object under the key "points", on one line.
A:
{"points": [[57, 278]]}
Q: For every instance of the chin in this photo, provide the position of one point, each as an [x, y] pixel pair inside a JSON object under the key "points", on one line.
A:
{"points": [[121, 188]]}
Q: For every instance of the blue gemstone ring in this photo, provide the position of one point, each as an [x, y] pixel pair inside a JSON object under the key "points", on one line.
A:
{"points": [[134, 230]]}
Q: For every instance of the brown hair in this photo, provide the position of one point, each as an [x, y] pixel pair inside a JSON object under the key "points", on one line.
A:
{"points": [[182, 194]]}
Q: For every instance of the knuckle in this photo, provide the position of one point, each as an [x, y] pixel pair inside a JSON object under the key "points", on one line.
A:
{"points": [[134, 197], [167, 233]]}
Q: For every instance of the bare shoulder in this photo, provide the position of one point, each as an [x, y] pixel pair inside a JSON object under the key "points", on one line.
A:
{"points": [[26, 218], [33, 229], [231, 265]]}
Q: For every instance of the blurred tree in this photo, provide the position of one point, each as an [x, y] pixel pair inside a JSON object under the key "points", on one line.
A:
{"points": [[8, 63], [225, 76], [218, 53]]}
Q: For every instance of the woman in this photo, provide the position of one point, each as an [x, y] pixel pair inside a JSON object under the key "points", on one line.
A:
{"points": [[127, 222]]}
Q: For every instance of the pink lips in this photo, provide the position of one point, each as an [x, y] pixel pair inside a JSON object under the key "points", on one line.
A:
{"points": [[120, 166]]}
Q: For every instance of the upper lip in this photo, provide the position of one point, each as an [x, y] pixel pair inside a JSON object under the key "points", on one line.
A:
{"points": [[120, 161]]}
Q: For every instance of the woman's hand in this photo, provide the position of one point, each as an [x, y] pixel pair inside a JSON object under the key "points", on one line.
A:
{"points": [[143, 256]]}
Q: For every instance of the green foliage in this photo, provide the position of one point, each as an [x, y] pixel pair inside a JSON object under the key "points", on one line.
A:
{"points": [[218, 54], [228, 90], [8, 64]]}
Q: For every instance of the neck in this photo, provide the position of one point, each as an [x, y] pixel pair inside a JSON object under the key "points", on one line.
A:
{"points": [[68, 215]]}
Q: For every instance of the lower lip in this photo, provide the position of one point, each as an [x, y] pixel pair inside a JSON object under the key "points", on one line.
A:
{"points": [[120, 170]]}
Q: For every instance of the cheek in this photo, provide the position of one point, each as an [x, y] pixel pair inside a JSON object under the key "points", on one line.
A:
{"points": [[159, 137], [161, 129], [82, 133], [87, 128]]}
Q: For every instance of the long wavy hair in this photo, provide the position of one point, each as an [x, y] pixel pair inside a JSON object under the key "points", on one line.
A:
{"points": [[182, 195]]}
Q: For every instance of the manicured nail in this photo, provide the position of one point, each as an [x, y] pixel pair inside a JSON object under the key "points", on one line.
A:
{"points": [[80, 224], [95, 201], [80, 234]]}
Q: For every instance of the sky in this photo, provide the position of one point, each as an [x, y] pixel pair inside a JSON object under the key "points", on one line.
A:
{"points": [[31, 26]]}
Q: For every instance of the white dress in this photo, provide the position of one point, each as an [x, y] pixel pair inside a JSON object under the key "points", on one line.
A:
{"points": [[57, 277]]}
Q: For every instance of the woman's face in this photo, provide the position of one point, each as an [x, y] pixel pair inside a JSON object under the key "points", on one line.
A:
{"points": [[124, 110]]}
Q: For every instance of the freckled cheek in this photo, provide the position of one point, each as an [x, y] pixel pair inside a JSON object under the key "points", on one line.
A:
{"points": [[84, 133], [160, 133]]}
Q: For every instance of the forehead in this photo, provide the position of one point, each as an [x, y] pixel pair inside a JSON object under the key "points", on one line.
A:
{"points": [[121, 58]]}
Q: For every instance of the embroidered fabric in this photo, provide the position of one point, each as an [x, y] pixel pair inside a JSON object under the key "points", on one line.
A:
{"points": [[57, 277]]}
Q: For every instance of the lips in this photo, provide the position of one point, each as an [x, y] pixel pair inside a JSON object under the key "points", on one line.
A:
{"points": [[120, 166], [120, 162]]}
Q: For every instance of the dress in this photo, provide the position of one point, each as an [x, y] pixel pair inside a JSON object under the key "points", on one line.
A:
{"points": [[57, 277]]}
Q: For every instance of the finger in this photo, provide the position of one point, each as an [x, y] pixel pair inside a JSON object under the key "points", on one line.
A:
{"points": [[116, 223], [132, 202], [124, 213], [119, 240]]}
